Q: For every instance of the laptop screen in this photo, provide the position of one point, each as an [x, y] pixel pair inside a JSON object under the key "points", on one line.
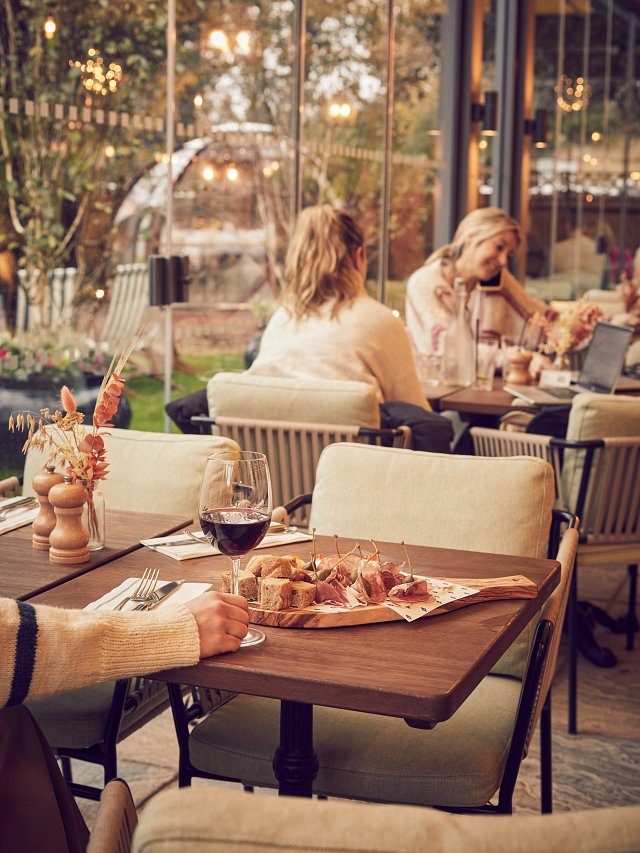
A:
{"points": [[604, 358]]}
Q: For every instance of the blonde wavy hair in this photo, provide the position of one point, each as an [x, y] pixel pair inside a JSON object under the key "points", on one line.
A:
{"points": [[320, 263], [477, 226]]}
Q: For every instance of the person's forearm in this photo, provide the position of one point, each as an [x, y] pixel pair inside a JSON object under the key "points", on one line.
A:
{"points": [[49, 649]]}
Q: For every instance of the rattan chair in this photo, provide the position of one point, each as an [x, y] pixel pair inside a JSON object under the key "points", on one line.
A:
{"points": [[598, 478], [442, 500], [116, 820], [292, 420]]}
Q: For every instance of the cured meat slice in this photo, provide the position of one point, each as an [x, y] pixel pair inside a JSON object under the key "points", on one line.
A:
{"points": [[411, 591]]}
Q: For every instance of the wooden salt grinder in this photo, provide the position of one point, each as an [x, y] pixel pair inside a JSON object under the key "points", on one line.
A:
{"points": [[68, 540], [45, 521], [519, 368]]}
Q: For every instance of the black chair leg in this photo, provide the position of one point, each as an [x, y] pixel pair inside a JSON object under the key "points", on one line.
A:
{"points": [[631, 615], [180, 722], [65, 766], [546, 767]]}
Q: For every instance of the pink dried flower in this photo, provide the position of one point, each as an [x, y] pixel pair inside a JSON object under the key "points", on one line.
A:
{"points": [[67, 400]]}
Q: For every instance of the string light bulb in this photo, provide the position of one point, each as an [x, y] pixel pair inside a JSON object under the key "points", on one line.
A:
{"points": [[198, 101], [50, 27], [243, 40], [219, 40]]}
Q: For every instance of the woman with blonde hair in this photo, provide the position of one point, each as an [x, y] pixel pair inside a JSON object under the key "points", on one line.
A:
{"points": [[326, 325], [484, 242]]}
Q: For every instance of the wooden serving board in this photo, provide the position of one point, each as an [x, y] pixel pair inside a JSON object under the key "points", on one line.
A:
{"points": [[327, 616]]}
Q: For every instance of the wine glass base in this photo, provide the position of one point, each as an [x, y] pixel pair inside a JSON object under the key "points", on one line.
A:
{"points": [[253, 638]]}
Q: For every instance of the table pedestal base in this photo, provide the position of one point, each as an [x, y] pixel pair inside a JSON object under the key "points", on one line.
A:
{"points": [[295, 762]]}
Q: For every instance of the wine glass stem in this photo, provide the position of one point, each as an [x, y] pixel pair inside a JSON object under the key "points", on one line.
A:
{"points": [[235, 574]]}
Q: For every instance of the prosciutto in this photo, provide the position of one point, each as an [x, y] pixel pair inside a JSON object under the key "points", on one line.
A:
{"points": [[331, 592], [370, 583], [411, 591]]}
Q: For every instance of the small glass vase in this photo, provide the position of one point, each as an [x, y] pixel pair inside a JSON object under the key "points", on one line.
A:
{"points": [[93, 516], [562, 361]]}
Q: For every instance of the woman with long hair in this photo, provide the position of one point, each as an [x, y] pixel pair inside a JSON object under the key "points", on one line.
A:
{"points": [[326, 325], [484, 242]]}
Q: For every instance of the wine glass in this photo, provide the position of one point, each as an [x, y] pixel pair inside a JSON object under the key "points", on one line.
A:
{"points": [[235, 509]]}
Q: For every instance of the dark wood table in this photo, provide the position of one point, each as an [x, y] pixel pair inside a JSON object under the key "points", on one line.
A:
{"points": [[474, 401], [26, 572], [424, 670], [497, 402]]}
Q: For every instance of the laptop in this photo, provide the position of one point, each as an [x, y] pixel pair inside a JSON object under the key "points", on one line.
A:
{"points": [[599, 373]]}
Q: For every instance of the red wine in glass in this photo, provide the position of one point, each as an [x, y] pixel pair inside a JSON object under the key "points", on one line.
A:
{"points": [[234, 509], [234, 530]]}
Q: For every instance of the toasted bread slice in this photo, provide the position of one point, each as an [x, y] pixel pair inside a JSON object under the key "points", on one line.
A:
{"points": [[275, 593], [247, 584]]}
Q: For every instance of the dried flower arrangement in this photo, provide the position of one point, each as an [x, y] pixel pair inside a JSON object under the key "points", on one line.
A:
{"points": [[571, 330], [63, 436]]}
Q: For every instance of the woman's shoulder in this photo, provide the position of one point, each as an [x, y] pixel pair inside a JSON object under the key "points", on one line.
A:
{"points": [[368, 306], [428, 275]]}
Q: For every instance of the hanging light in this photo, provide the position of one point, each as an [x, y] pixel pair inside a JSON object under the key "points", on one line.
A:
{"points": [[49, 27], [243, 40], [219, 40]]}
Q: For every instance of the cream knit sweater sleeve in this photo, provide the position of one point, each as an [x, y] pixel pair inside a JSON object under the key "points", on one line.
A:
{"points": [[49, 649]]}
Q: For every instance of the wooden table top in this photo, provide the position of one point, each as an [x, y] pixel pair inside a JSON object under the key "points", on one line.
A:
{"points": [[25, 572], [424, 669], [475, 401]]}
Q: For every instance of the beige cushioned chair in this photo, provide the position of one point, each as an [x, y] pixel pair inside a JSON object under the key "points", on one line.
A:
{"points": [[148, 472], [292, 420], [217, 821], [599, 481], [494, 505]]}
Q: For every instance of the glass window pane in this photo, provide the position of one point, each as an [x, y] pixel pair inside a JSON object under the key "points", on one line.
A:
{"points": [[584, 200]]}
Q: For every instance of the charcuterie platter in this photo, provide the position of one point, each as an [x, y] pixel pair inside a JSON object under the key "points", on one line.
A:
{"points": [[339, 590], [448, 594]]}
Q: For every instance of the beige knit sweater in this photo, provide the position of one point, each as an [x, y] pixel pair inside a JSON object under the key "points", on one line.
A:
{"points": [[365, 343], [47, 649]]}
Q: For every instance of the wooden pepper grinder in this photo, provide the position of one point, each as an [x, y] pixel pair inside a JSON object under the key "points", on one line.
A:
{"points": [[68, 540], [519, 368], [45, 521]]}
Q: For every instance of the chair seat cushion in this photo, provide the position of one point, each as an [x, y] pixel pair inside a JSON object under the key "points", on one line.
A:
{"points": [[77, 718], [458, 763]]}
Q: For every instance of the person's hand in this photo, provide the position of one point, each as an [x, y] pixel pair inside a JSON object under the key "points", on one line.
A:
{"points": [[222, 621]]}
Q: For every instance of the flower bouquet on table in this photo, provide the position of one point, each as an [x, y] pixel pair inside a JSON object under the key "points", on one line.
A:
{"points": [[569, 333], [64, 438]]}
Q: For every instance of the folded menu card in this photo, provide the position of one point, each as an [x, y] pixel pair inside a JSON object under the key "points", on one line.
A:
{"points": [[111, 599], [181, 546]]}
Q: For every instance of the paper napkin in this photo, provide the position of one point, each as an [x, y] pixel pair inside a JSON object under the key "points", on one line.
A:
{"points": [[111, 599], [189, 551]]}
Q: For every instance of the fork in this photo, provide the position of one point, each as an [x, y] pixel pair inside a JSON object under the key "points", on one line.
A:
{"points": [[21, 504], [144, 590]]}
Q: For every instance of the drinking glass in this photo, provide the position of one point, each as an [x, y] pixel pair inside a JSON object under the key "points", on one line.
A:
{"points": [[235, 509], [486, 353]]}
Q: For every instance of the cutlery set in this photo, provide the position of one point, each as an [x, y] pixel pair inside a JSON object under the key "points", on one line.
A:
{"points": [[146, 591], [22, 504]]}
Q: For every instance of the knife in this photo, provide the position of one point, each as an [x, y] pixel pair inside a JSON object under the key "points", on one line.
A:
{"points": [[160, 595], [185, 540]]}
